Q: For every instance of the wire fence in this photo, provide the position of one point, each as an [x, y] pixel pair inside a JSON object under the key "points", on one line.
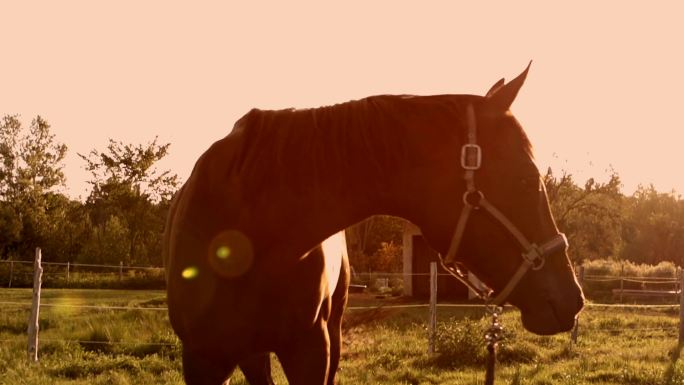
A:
{"points": [[645, 286], [598, 288], [671, 330], [19, 273]]}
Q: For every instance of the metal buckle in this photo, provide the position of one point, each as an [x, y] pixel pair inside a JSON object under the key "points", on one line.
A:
{"points": [[466, 156], [535, 257], [479, 196]]}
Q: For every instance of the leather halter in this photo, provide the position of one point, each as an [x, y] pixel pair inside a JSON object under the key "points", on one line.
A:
{"points": [[533, 256]]}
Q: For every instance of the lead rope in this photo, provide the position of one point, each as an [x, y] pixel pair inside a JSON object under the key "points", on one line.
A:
{"points": [[471, 159], [493, 335]]}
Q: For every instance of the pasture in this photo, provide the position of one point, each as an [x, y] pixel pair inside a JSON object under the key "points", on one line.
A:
{"points": [[83, 343]]}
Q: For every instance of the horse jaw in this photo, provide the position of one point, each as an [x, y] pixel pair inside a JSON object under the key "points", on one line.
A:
{"points": [[548, 320]]}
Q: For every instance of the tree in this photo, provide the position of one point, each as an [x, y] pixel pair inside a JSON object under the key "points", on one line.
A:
{"points": [[654, 227], [10, 222], [127, 186], [30, 172], [591, 215], [10, 128], [68, 230], [10, 229], [375, 243], [134, 167]]}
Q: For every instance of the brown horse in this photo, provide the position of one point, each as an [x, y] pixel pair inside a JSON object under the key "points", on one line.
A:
{"points": [[244, 275]]}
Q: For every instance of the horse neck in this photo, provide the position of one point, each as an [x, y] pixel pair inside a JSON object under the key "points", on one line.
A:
{"points": [[367, 186], [309, 218]]}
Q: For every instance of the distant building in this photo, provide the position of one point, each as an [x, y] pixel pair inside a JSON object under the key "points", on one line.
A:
{"points": [[417, 257]]}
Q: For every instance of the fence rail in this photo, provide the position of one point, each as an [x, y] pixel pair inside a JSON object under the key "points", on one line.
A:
{"points": [[76, 264], [18, 273]]}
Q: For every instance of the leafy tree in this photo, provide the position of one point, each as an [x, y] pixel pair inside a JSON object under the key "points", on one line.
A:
{"points": [[654, 227], [10, 229], [388, 257], [132, 166], [10, 129], [374, 243], [30, 173], [127, 185], [590, 215], [10, 220], [68, 228], [109, 242], [41, 167]]}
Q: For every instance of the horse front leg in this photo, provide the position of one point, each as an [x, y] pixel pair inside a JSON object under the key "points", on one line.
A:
{"points": [[339, 302], [335, 333], [306, 361], [257, 369], [205, 368]]}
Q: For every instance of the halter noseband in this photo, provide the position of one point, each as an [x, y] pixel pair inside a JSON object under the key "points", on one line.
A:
{"points": [[533, 256]]}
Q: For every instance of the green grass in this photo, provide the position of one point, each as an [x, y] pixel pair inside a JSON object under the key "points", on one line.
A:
{"points": [[386, 346]]}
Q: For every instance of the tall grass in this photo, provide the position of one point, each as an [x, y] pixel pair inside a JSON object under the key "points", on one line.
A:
{"points": [[383, 346]]}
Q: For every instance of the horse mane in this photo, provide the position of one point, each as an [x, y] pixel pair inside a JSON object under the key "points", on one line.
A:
{"points": [[332, 142], [302, 148]]}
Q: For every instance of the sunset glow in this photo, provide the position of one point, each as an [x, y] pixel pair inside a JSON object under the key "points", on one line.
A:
{"points": [[603, 91]]}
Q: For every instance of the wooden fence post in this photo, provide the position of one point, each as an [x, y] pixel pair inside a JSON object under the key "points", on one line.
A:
{"points": [[580, 280], [622, 281], [681, 310], [68, 266], [11, 273], [120, 270], [35, 309], [433, 308]]}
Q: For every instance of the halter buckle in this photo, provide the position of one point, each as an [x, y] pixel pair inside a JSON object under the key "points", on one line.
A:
{"points": [[535, 257], [471, 156]]}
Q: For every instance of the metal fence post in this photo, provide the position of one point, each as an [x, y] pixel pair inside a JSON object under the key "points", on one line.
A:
{"points": [[433, 308]]}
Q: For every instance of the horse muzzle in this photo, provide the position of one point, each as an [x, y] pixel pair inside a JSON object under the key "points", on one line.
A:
{"points": [[553, 315]]}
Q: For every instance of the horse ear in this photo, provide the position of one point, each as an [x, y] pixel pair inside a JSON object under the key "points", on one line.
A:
{"points": [[495, 87], [499, 99]]}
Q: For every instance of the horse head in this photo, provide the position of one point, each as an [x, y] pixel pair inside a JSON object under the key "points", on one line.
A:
{"points": [[488, 210]]}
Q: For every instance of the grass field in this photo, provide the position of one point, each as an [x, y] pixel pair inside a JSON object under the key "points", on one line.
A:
{"points": [[87, 345]]}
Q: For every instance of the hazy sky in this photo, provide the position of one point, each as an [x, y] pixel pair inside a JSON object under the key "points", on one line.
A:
{"points": [[605, 88]]}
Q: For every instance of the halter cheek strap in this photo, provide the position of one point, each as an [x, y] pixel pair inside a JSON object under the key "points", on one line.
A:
{"points": [[533, 256]]}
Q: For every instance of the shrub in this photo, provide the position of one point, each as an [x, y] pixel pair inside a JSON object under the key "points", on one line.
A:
{"points": [[459, 342], [598, 284]]}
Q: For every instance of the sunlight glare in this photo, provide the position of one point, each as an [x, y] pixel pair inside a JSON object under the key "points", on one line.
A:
{"points": [[230, 253], [190, 272], [223, 252]]}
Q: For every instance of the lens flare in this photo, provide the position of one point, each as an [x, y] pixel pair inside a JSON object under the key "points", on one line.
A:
{"points": [[223, 252], [190, 272], [230, 253]]}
